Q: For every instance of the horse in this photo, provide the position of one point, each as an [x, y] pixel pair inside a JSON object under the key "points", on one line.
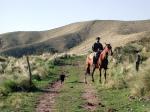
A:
{"points": [[101, 63]]}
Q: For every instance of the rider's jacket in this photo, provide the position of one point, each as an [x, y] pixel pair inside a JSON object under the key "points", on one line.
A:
{"points": [[97, 47]]}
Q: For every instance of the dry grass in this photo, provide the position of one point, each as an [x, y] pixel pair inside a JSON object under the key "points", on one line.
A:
{"points": [[140, 86], [122, 73], [14, 73], [125, 76]]}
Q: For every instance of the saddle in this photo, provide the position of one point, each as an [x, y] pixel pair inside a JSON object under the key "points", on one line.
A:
{"points": [[95, 57]]}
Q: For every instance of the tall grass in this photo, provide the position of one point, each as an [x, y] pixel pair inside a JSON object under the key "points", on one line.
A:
{"points": [[15, 76], [140, 86], [122, 73]]}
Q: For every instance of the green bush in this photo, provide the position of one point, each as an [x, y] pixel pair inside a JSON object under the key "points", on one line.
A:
{"points": [[4, 91], [25, 86], [36, 77], [9, 86], [58, 62]]}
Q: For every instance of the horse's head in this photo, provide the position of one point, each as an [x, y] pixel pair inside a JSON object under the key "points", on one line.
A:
{"points": [[109, 47]]}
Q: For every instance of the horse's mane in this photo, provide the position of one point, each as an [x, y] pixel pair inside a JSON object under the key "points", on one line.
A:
{"points": [[103, 53]]}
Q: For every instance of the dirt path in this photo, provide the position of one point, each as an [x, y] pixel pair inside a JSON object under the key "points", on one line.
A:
{"points": [[89, 94], [92, 101], [46, 102]]}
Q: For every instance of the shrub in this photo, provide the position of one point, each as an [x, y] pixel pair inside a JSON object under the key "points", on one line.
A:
{"points": [[9, 86], [58, 62], [3, 91], [36, 77], [65, 56], [25, 86]]}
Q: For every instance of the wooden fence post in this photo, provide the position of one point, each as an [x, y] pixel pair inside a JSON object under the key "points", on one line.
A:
{"points": [[30, 73]]}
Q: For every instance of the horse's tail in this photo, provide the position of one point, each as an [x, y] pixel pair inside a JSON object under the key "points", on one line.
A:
{"points": [[88, 69], [88, 64]]}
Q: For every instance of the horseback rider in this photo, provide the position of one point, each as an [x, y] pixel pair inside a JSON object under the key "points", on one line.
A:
{"points": [[97, 49]]}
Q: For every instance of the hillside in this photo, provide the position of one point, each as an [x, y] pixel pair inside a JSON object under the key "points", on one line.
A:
{"points": [[76, 37]]}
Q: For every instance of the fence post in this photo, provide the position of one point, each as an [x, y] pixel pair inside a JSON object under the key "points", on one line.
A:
{"points": [[29, 68]]}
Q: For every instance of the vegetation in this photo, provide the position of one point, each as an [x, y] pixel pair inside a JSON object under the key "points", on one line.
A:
{"points": [[141, 85], [122, 68], [28, 50], [125, 90], [15, 91], [117, 97], [119, 100]]}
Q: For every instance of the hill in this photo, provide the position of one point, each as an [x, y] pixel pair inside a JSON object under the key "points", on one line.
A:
{"points": [[75, 38]]}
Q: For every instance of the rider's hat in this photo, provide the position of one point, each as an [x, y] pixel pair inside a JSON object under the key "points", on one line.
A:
{"points": [[98, 38], [137, 50]]}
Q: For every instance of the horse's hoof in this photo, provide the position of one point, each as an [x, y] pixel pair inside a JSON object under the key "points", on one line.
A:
{"points": [[92, 80], [100, 81]]}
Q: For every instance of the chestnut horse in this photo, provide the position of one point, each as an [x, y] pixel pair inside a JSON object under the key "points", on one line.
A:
{"points": [[101, 63]]}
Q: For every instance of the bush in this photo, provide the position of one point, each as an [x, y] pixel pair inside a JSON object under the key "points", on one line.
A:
{"points": [[66, 56], [3, 91], [58, 62], [25, 86], [36, 77], [9, 86]]}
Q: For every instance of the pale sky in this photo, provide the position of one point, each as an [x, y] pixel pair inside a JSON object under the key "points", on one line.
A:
{"points": [[37, 15]]}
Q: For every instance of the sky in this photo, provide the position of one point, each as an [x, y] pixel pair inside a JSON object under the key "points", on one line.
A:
{"points": [[38, 15]]}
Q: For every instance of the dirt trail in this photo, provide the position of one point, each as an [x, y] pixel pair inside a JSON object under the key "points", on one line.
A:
{"points": [[92, 101], [89, 94], [46, 102]]}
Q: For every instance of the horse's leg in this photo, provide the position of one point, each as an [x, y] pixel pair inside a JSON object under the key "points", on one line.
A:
{"points": [[105, 74], [93, 73], [100, 75]]}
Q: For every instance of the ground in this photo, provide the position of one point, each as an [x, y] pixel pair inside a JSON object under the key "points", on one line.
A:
{"points": [[76, 96], [73, 95]]}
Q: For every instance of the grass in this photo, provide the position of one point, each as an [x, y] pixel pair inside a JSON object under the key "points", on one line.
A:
{"points": [[25, 101], [118, 99], [123, 73], [70, 96], [140, 86], [21, 101]]}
